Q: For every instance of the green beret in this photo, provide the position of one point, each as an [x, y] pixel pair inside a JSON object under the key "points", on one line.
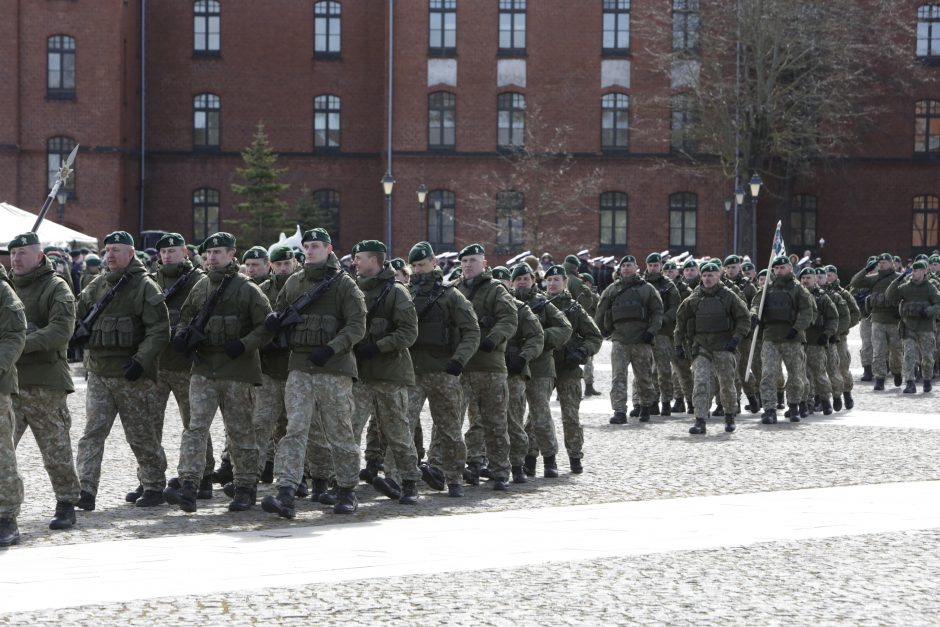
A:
{"points": [[371, 246], [833, 269], [421, 250], [201, 248], [780, 260], [627, 259], [192, 248], [921, 257], [472, 249], [299, 255], [820, 270], [219, 240], [873, 258], [170, 239], [762, 273], [587, 278], [730, 260], [934, 259], [142, 256], [51, 250], [710, 266], [885, 257], [919, 265], [26, 239], [499, 272], [92, 260], [670, 265], [689, 264], [571, 260], [520, 269], [280, 252], [119, 237], [398, 263], [896, 259], [747, 266], [654, 258], [807, 272], [316, 235], [255, 252], [556, 270]]}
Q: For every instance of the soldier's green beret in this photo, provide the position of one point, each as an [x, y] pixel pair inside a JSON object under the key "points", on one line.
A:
{"points": [[747, 266], [520, 269], [299, 255], [654, 258], [51, 250], [730, 260], [421, 250], [255, 252], [371, 246], [670, 265], [280, 252], [499, 272], [398, 263], [170, 239], [807, 272], [832, 268], [885, 257], [896, 259], [119, 237], [142, 256], [457, 272], [192, 248], [556, 270], [573, 261], [762, 273], [780, 260], [627, 259], [710, 266], [219, 240], [689, 264], [934, 259], [25, 239], [201, 248], [820, 270], [919, 265], [355, 249], [316, 235], [921, 257], [873, 258], [92, 260], [587, 278], [472, 249]]}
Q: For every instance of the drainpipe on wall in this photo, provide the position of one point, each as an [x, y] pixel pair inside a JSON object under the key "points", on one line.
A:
{"points": [[143, 112]]}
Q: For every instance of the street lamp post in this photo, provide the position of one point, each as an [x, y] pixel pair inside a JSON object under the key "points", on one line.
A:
{"points": [[755, 184], [388, 185]]}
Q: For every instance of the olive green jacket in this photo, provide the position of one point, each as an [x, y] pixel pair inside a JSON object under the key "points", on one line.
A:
{"points": [[918, 303], [694, 339], [12, 334], [826, 321], [447, 329], [630, 331], [555, 327], [87, 277], [804, 311], [585, 337], [391, 325], [884, 310], [670, 297], [496, 313], [274, 360], [165, 276], [528, 340]]}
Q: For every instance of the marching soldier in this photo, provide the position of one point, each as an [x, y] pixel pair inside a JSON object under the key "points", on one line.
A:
{"points": [[825, 326], [44, 376], [734, 275], [919, 304], [680, 380], [256, 263], [12, 341], [842, 342], [885, 340], [848, 318], [91, 271], [662, 343], [590, 306], [576, 285]]}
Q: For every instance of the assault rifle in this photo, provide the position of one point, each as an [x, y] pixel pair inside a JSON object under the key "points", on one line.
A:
{"points": [[187, 340], [84, 326], [179, 284], [282, 322]]}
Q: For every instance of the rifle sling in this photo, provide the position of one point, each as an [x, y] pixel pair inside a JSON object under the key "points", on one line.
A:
{"points": [[177, 285], [378, 301], [316, 292], [203, 316], [436, 294], [92, 316]]}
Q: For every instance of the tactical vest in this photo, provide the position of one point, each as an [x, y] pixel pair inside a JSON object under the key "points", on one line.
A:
{"points": [[433, 322], [917, 300], [628, 306], [514, 345], [381, 321], [843, 308], [780, 306], [711, 315], [320, 322], [118, 326]]}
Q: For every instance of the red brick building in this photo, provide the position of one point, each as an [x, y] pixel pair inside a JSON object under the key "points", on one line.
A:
{"points": [[315, 73]]}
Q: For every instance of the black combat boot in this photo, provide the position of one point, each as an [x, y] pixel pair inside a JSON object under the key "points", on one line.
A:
{"points": [[810, 406], [150, 498], [267, 475], [319, 487], [388, 487], [897, 379], [769, 417], [409, 493], [471, 474], [927, 385], [575, 464], [794, 413], [433, 476], [719, 410], [518, 475], [803, 411], [698, 428], [665, 410], [485, 472], [9, 533], [282, 504], [678, 406], [133, 495], [229, 489], [849, 401], [837, 402], [528, 465], [550, 467], [635, 411], [654, 408], [780, 400], [752, 405], [346, 501], [729, 423], [619, 418], [205, 488], [689, 409], [867, 374], [644, 413], [910, 388], [590, 391], [64, 517], [302, 491], [370, 472], [184, 497], [244, 499], [455, 490], [225, 473], [879, 384], [330, 497], [500, 484], [826, 407], [86, 501]]}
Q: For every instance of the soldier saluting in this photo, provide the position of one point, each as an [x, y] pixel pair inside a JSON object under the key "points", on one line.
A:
{"points": [[919, 304]]}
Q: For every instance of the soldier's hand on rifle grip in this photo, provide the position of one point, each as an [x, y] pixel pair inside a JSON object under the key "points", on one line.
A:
{"points": [[822, 340], [517, 365], [755, 321], [272, 322], [133, 370], [234, 348], [792, 333]]}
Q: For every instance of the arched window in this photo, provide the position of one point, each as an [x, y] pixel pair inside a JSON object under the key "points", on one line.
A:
{"points": [[442, 205], [57, 153], [683, 210], [926, 224], [614, 207], [615, 121], [442, 120], [60, 66], [802, 221], [326, 122], [205, 213], [928, 30], [510, 125], [206, 27], [442, 28], [207, 122], [327, 203], [616, 26], [327, 27], [510, 206], [927, 127]]}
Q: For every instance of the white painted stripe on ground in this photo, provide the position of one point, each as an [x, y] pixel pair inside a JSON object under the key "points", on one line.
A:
{"points": [[106, 572]]}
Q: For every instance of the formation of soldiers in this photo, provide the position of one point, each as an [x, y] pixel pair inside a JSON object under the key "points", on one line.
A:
{"points": [[301, 357]]}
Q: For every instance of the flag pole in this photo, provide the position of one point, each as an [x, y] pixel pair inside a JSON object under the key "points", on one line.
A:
{"points": [[760, 309]]}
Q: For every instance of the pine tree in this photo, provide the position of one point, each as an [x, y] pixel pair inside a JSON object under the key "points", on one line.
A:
{"points": [[263, 209]]}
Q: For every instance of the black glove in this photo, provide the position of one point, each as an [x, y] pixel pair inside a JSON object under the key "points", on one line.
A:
{"points": [[732, 345], [487, 345], [234, 348], [180, 342], [792, 333], [755, 321], [272, 322], [822, 340], [834, 339], [516, 365], [647, 337], [367, 351], [133, 370], [319, 356], [680, 352], [453, 367]]}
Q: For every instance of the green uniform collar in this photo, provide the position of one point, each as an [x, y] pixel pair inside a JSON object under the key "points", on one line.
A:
{"points": [[36, 273]]}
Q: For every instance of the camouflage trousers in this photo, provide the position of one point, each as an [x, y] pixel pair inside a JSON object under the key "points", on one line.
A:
{"points": [[363, 418], [817, 370], [919, 347], [46, 413], [845, 363], [662, 357], [320, 408], [267, 409], [540, 428], [515, 419], [711, 368], [622, 356], [682, 373], [886, 348], [864, 329], [177, 383], [389, 407], [11, 484], [773, 356], [745, 384], [834, 368], [447, 449], [105, 398], [569, 397], [589, 370], [233, 398], [416, 398], [487, 437]]}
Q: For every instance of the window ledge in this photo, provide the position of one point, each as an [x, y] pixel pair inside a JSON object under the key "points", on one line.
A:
{"points": [[512, 53], [615, 150], [445, 53], [207, 54], [61, 95], [327, 56], [931, 59], [616, 52], [442, 149], [208, 150]]}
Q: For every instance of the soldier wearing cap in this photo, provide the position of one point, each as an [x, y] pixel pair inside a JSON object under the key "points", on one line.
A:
{"points": [[576, 285], [257, 266], [484, 376], [689, 279], [44, 377], [825, 326], [12, 340], [122, 354], [733, 269], [885, 339], [630, 312], [710, 325], [590, 306], [224, 370], [787, 313], [863, 301], [919, 304], [848, 318], [662, 343], [91, 271], [194, 257], [502, 274]]}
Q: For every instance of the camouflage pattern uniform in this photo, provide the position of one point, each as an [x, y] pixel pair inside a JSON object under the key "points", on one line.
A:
{"points": [[919, 305], [267, 399], [590, 306], [12, 341], [825, 325], [682, 366], [526, 345], [885, 339], [845, 325], [662, 344]]}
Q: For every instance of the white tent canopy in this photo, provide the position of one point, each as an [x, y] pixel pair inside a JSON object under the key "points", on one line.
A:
{"points": [[14, 221]]}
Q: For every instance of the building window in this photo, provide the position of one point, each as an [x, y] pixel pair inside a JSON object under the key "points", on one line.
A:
{"points": [[61, 67], [442, 124], [57, 153], [207, 122], [206, 27], [509, 208], [682, 124], [616, 26], [613, 219], [927, 127], [615, 121], [205, 213], [327, 204], [512, 26], [928, 31], [803, 221], [926, 231], [442, 205], [326, 122], [685, 25], [683, 208], [510, 129], [442, 28], [326, 30]]}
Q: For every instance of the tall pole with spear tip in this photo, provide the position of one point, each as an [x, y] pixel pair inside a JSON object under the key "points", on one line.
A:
{"points": [[64, 172]]}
